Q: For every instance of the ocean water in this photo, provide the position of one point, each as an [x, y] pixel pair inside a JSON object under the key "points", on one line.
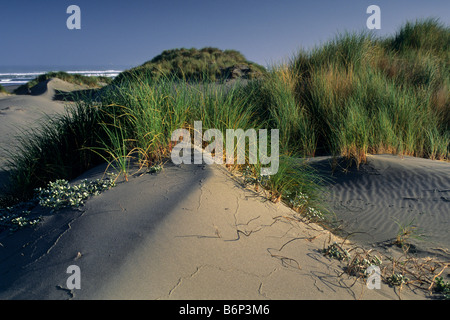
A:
{"points": [[13, 77]]}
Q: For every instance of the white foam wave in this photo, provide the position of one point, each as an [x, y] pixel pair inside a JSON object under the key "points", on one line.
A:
{"points": [[18, 78]]}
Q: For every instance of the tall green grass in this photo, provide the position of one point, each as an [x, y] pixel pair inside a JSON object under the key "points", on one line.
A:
{"points": [[148, 111], [369, 95], [133, 123], [275, 102], [58, 149]]}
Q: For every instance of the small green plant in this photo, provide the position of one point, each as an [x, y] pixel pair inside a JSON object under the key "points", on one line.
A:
{"points": [[336, 251], [405, 233], [314, 214], [21, 221], [297, 200], [443, 287], [396, 279], [61, 194], [155, 169], [359, 264], [14, 218], [250, 177]]}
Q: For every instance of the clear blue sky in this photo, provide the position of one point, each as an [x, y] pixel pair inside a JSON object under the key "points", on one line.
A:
{"points": [[128, 33]]}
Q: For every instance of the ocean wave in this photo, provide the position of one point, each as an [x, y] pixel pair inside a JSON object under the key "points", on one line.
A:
{"points": [[12, 81], [18, 78]]}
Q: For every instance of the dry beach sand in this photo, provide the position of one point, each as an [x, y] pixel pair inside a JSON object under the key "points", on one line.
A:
{"points": [[389, 192], [195, 232]]}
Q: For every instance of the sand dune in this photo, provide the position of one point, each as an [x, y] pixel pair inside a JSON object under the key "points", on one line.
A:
{"points": [[23, 111], [19, 113], [194, 232], [389, 192], [190, 232]]}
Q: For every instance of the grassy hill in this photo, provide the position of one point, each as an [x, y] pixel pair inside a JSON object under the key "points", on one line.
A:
{"points": [[196, 65]]}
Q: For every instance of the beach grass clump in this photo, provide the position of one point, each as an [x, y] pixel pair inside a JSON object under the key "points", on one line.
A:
{"points": [[2, 89], [275, 101], [406, 233], [60, 194], [141, 114], [57, 149], [370, 95]]}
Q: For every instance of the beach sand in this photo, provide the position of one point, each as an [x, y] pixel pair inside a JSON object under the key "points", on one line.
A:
{"points": [[189, 232], [388, 192], [195, 232]]}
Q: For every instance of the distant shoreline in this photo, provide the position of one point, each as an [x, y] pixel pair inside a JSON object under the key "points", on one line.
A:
{"points": [[11, 80]]}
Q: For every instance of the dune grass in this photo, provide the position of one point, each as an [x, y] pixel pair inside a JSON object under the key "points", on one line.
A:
{"points": [[133, 123], [2, 89], [368, 95], [351, 97], [58, 149]]}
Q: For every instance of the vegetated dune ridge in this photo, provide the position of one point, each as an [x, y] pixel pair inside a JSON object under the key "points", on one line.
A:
{"points": [[21, 113], [194, 232]]}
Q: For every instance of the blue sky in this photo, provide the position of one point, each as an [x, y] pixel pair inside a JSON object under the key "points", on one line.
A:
{"points": [[128, 33]]}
